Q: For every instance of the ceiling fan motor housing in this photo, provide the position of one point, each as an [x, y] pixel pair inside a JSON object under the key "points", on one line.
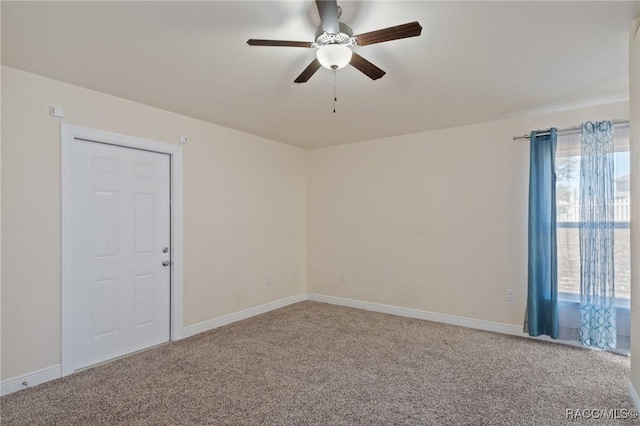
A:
{"points": [[345, 36]]}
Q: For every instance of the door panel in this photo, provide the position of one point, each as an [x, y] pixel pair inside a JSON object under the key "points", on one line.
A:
{"points": [[144, 299], [105, 306], [144, 223], [121, 223], [105, 224]]}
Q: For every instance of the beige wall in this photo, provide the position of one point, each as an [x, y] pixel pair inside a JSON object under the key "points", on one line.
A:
{"points": [[634, 116], [244, 211], [435, 221]]}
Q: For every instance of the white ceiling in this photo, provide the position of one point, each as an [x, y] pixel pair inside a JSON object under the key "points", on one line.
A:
{"points": [[475, 61]]}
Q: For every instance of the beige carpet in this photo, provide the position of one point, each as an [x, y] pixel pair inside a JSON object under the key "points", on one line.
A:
{"points": [[317, 364]]}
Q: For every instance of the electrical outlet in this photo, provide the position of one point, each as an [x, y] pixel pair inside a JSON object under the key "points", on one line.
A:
{"points": [[269, 279], [343, 276], [294, 277], [511, 295]]}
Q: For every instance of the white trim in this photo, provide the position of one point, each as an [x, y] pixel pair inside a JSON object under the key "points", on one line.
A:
{"points": [[419, 314], [177, 238], [241, 315], [67, 235], [31, 379], [55, 372], [51, 373], [633, 395], [68, 136], [496, 327]]}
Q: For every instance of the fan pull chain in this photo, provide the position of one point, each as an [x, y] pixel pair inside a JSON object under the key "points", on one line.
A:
{"points": [[335, 90]]}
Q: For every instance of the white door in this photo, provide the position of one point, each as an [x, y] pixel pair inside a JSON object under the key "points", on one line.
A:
{"points": [[121, 240]]}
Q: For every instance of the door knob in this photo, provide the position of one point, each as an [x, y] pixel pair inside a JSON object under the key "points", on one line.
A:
{"points": [[165, 249], [166, 263]]}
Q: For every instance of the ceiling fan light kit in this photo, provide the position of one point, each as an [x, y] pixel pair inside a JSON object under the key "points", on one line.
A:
{"points": [[334, 56], [333, 41]]}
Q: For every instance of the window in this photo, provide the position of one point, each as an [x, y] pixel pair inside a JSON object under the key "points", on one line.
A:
{"points": [[568, 215]]}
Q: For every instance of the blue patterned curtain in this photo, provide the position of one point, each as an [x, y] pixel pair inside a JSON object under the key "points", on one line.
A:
{"points": [[542, 298], [597, 294]]}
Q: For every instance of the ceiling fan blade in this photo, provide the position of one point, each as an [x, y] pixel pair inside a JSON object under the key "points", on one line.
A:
{"points": [[328, 10], [366, 67], [412, 29], [284, 43], [308, 72]]}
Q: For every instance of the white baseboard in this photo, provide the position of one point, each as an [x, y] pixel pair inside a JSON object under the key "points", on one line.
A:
{"points": [[477, 324], [241, 315], [419, 314], [633, 395], [30, 379], [54, 372]]}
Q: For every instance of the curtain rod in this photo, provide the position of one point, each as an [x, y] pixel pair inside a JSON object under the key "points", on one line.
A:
{"points": [[569, 130]]}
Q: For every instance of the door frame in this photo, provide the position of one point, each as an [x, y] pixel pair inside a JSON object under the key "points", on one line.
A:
{"points": [[69, 134]]}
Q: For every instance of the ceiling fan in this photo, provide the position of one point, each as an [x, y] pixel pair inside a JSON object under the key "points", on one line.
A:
{"points": [[333, 41]]}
